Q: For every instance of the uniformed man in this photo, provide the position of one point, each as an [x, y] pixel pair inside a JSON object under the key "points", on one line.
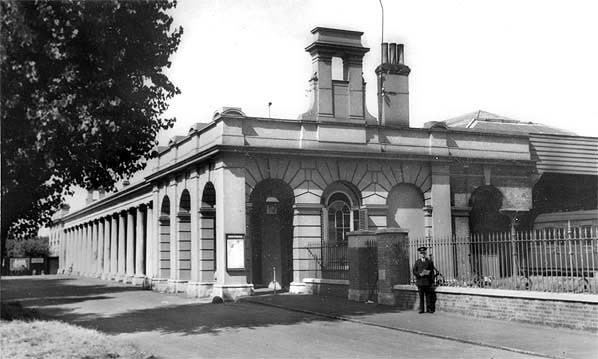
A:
{"points": [[423, 270]]}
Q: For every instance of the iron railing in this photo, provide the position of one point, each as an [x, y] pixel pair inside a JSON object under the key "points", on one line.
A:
{"points": [[542, 260], [330, 261]]}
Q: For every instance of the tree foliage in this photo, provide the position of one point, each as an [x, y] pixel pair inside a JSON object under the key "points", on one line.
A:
{"points": [[33, 247], [83, 94]]}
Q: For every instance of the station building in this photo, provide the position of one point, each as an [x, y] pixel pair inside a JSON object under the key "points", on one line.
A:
{"points": [[239, 200]]}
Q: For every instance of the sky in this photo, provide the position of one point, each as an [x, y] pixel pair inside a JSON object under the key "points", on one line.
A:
{"points": [[533, 60], [528, 60]]}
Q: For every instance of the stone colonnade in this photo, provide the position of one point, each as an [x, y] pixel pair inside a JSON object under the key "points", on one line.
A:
{"points": [[111, 246]]}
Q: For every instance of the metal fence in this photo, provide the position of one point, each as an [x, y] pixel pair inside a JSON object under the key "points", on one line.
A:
{"points": [[330, 260], [542, 260]]}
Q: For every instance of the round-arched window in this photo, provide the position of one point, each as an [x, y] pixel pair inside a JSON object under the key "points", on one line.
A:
{"points": [[339, 218]]}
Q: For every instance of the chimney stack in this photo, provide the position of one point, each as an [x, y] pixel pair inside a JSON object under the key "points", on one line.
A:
{"points": [[393, 85], [337, 100]]}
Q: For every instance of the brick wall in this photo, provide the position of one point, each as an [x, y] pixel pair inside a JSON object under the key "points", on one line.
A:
{"points": [[577, 311]]}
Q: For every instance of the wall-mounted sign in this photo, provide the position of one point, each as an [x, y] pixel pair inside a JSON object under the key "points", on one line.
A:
{"points": [[235, 251]]}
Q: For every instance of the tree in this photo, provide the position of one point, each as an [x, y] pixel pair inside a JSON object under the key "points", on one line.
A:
{"points": [[83, 94], [34, 247]]}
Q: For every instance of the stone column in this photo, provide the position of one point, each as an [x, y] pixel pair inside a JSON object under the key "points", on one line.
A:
{"points": [[140, 235], [78, 248], [307, 231], [114, 246], [93, 270], [121, 246], [229, 182], [106, 260], [88, 249], [130, 260], [100, 261], [393, 262], [151, 242]]}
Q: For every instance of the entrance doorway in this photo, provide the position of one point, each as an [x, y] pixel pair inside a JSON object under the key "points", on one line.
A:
{"points": [[271, 234]]}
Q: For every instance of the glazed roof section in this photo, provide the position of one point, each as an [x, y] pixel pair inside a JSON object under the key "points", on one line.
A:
{"points": [[484, 121]]}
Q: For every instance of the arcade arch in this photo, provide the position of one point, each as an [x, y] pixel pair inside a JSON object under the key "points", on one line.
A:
{"points": [[270, 229]]}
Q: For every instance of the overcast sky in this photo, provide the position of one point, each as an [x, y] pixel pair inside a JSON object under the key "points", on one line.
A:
{"points": [[528, 60], [532, 60]]}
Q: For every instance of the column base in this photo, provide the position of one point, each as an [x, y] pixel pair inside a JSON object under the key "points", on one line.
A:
{"points": [[97, 275], [120, 277], [128, 278], [113, 276], [298, 288], [139, 280], [199, 289], [105, 276], [177, 286], [159, 284], [232, 291]]}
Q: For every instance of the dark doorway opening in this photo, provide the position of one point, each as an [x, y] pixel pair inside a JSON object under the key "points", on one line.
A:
{"points": [[271, 233]]}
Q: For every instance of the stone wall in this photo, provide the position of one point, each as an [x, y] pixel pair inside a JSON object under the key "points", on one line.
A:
{"points": [[577, 311]]}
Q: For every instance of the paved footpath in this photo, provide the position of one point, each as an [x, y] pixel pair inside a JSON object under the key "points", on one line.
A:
{"points": [[283, 326]]}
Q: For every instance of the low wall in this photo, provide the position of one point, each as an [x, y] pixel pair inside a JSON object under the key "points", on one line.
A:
{"points": [[328, 287], [577, 311]]}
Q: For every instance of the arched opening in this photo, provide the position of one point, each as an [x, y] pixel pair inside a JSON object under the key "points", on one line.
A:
{"points": [[164, 224], [341, 201], [405, 203], [207, 231], [271, 233], [491, 254], [184, 236]]}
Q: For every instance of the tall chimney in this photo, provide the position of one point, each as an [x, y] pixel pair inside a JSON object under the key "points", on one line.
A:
{"points": [[393, 97]]}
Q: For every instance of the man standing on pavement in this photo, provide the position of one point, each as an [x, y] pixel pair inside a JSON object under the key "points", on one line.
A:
{"points": [[423, 270]]}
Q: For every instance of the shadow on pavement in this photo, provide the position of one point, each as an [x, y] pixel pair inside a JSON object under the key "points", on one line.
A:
{"points": [[132, 310], [35, 291]]}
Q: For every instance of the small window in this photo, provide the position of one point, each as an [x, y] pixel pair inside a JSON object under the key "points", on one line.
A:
{"points": [[338, 71]]}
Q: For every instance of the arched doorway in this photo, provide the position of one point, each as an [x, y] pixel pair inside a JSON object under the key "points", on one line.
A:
{"points": [[164, 224], [405, 209], [271, 233], [184, 236], [207, 230]]}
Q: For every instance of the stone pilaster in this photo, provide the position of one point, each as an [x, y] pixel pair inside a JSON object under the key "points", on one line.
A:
{"points": [[230, 220], [307, 236]]}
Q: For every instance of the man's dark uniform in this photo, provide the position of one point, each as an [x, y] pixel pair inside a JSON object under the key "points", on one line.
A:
{"points": [[425, 284]]}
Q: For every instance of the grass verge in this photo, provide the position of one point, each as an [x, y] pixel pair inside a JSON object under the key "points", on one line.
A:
{"points": [[34, 338]]}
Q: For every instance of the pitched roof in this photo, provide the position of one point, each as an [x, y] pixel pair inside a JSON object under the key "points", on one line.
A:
{"points": [[484, 121]]}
